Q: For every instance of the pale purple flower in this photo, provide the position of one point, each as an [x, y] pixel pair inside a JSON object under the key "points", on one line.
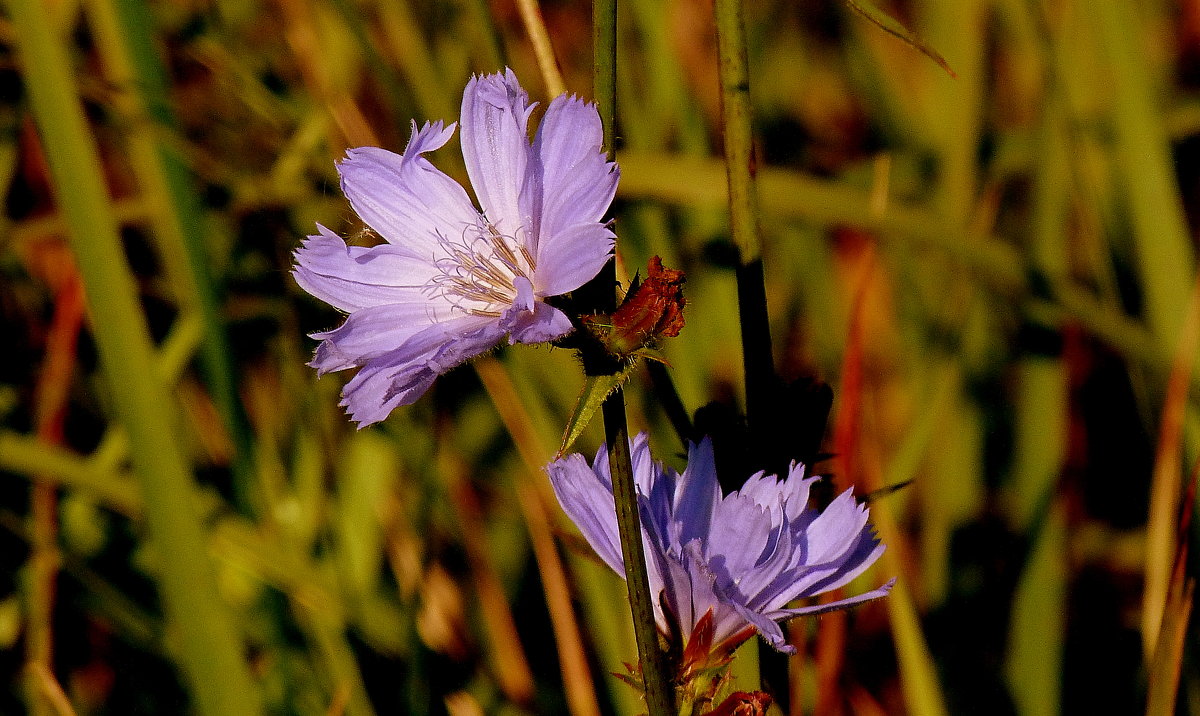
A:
{"points": [[452, 281], [743, 556]]}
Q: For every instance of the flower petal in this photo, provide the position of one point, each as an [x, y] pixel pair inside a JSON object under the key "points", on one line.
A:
{"points": [[495, 144], [808, 580], [697, 493], [687, 588], [571, 258], [402, 375], [371, 332], [835, 605], [766, 626], [577, 180], [353, 277], [742, 557], [382, 386], [407, 200], [544, 323], [740, 532], [838, 526], [586, 496]]}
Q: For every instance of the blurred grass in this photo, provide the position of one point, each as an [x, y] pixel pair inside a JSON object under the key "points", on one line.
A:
{"points": [[1025, 235]]}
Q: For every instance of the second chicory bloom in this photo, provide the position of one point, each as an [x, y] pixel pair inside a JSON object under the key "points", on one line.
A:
{"points": [[452, 281], [728, 564]]}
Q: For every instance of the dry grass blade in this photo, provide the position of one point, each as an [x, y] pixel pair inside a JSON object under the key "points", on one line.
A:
{"points": [[51, 690], [52, 392], [1165, 486], [307, 44], [892, 26], [1167, 659], [539, 37], [918, 673], [508, 658], [577, 677]]}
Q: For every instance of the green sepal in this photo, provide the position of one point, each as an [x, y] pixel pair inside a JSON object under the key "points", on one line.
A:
{"points": [[595, 389]]}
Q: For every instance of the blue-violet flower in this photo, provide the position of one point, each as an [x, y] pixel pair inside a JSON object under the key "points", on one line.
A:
{"points": [[723, 566], [450, 281]]}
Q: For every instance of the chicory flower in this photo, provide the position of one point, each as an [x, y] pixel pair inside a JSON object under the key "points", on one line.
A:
{"points": [[451, 281], [723, 566]]}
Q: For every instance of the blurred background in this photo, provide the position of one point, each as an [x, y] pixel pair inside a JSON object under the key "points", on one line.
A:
{"points": [[993, 271]]}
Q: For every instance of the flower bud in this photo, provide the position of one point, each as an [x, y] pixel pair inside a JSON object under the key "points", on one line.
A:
{"points": [[651, 310]]}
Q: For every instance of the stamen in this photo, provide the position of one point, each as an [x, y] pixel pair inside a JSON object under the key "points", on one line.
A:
{"points": [[479, 270]]}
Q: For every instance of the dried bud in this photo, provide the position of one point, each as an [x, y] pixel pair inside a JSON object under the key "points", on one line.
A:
{"points": [[742, 703], [652, 310]]}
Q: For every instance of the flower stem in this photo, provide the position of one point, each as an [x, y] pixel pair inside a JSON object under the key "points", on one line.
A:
{"points": [[743, 213], [670, 403], [604, 67], [740, 167], [660, 694]]}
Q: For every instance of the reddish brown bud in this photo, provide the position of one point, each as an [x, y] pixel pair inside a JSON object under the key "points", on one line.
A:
{"points": [[742, 703], [652, 310]]}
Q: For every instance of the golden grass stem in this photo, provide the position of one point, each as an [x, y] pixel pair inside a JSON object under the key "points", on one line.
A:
{"points": [[131, 64], [539, 37], [50, 689], [51, 396], [577, 678], [513, 674], [1166, 480]]}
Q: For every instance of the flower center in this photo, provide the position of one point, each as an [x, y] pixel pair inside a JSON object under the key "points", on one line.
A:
{"points": [[479, 269]]}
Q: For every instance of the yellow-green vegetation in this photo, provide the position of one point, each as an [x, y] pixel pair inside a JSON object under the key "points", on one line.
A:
{"points": [[992, 267]]}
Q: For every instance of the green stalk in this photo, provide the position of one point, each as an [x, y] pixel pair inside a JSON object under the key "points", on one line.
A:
{"points": [[210, 649], [1142, 152], [124, 36], [743, 214], [45, 463], [660, 695], [1164, 255], [416, 59], [604, 67], [758, 363]]}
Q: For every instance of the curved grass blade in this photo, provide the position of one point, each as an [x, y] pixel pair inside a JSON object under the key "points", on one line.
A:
{"points": [[896, 29]]}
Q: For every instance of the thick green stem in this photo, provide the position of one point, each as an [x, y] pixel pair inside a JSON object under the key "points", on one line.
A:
{"points": [[209, 647], [762, 385], [660, 695], [743, 213]]}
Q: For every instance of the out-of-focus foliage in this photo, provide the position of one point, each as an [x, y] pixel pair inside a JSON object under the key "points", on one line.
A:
{"points": [[993, 271]]}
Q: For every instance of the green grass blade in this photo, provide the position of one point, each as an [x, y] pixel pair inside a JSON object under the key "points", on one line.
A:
{"points": [[124, 35], [1036, 634], [209, 650], [1164, 254]]}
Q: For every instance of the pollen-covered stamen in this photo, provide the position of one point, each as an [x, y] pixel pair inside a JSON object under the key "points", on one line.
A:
{"points": [[478, 270]]}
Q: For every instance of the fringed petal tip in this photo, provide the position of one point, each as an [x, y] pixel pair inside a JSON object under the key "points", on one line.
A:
{"points": [[431, 136], [743, 555], [840, 604], [517, 248]]}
